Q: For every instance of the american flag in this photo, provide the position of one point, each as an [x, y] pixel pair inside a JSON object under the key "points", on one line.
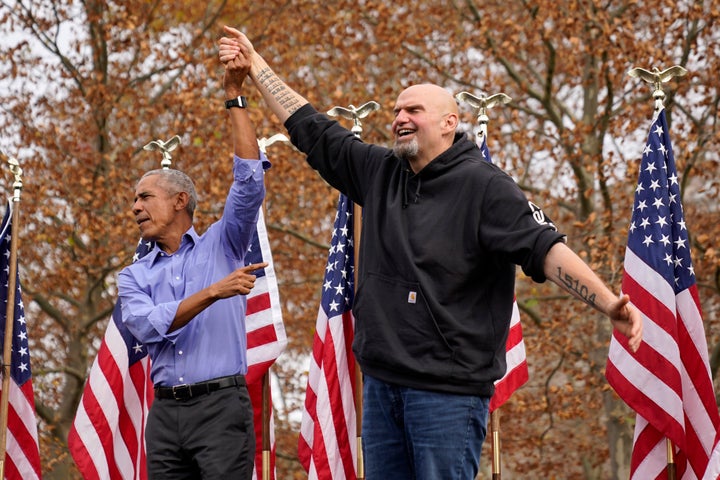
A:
{"points": [[107, 436], [668, 381], [713, 468], [266, 337], [22, 456], [517, 368], [327, 447]]}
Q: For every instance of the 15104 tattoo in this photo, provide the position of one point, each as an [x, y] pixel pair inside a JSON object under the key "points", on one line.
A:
{"points": [[575, 286]]}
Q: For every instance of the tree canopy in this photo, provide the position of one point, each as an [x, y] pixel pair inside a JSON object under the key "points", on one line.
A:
{"points": [[85, 84]]}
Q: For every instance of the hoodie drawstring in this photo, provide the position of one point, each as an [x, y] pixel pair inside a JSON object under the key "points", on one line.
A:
{"points": [[404, 180], [403, 187]]}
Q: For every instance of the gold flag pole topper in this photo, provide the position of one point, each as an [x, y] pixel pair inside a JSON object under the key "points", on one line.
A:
{"points": [[10, 310], [355, 114], [165, 148], [263, 143], [482, 104], [657, 78]]}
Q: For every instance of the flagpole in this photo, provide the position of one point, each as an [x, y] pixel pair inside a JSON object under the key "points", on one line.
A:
{"points": [[495, 429], [482, 104], [671, 470], [357, 231], [10, 311], [355, 114], [657, 78]]}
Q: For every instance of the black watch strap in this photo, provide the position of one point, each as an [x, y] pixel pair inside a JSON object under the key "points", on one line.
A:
{"points": [[240, 102]]}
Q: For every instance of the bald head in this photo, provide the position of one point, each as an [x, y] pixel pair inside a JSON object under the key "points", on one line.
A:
{"points": [[426, 117], [435, 97]]}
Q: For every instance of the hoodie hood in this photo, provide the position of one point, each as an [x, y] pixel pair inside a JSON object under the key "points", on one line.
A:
{"points": [[411, 182]]}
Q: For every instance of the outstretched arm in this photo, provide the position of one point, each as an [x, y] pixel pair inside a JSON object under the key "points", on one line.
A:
{"points": [[282, 100], [570, 272], [243, 131], [245, 145]]}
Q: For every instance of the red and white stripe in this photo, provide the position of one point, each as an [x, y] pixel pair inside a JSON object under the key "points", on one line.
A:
{"points": [[266, 340], [327, 446], [517, 367], [22, 457], [667, 382], [266, 337], [106, 439], [713, 468]]}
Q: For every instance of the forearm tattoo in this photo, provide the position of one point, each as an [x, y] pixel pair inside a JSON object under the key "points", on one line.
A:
{"points": [[277, 88], [576, 287]]}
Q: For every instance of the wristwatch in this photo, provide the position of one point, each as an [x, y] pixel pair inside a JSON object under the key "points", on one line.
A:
{"points": [[240, 102]]}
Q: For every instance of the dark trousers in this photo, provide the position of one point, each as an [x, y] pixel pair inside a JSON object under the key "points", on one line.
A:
{"points": [[208, 437]]}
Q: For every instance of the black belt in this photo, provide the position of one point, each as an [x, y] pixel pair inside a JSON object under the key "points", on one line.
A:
{"points": [[185, 391]]}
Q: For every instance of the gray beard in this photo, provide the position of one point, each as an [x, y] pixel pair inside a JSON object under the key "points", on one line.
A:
{"points": [[406, 150]]}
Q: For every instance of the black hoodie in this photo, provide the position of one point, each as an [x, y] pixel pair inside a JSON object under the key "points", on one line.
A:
{"points": [[437, 256]]}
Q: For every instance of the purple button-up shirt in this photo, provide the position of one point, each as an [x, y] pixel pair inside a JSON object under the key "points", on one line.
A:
{"points": [[213, 344]]}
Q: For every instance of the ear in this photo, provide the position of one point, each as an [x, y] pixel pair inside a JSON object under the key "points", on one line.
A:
{"points": [[450, 122], [181, 201]]}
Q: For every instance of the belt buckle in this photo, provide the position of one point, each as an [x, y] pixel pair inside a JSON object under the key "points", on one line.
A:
{"points": [[179, 389]]}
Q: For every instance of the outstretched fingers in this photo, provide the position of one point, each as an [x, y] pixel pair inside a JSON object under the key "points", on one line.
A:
{"points": [[252, 267]]}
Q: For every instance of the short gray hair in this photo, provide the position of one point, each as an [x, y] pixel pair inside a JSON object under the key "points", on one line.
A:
{"points": [[175, 181]]}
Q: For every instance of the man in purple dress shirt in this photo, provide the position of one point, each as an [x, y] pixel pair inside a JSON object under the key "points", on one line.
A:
{"points": [[186, 301]]}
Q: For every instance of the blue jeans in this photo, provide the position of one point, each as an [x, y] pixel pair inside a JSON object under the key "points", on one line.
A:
{"points": [[420, 434]]}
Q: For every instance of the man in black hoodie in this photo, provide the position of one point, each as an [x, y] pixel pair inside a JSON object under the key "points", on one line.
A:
{"points": [[442, 233]]}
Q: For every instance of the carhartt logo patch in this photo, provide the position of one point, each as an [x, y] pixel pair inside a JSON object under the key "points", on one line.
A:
{"points": [[412, 297]]}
